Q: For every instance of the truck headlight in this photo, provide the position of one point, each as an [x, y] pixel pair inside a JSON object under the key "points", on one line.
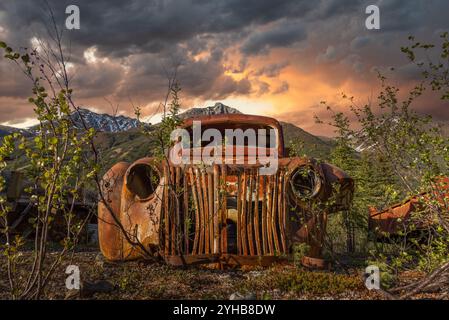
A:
{"points": [[305, 182], [142, 180]]}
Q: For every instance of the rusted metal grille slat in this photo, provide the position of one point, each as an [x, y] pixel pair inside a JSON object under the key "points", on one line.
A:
{"points": [[173, 208], [264, 216], [243, 214], [197, 212], [249, 218], [239, 210], [256, 216], [268, 219], [206, 212], [274, 213], [186, 212], [216, 208], [201, 209], [211, 210], [166, 213], [280, 211], [283, 220], [224, 213]]}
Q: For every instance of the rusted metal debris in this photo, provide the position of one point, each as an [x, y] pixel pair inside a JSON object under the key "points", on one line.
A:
{"points": [[396, 218], [221, 213]]}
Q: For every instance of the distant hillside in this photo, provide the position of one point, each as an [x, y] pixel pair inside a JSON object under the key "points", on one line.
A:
{"points": [[444, 126], [5, 130], [361, 143], [313, 145], [120, 139]]}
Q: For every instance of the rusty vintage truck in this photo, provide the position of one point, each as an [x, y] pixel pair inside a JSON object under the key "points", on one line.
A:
{"points": [[223, 213]]}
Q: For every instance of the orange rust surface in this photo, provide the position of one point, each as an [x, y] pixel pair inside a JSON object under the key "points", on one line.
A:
{"points": [[395, 218]]}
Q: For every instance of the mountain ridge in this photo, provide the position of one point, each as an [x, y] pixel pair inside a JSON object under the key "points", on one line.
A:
{"points": [[217, 108], [131, 145], [121, 139]]}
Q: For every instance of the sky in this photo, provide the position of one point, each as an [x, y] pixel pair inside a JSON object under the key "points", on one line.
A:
{"points": [[274, 58]]}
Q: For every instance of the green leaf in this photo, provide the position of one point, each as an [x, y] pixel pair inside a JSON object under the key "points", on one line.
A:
{"points": [[26, 58]]}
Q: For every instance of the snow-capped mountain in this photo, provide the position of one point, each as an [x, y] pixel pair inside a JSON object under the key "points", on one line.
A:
{"points": [[107, 123], [217, 108], [101, 122], [104, 122]]}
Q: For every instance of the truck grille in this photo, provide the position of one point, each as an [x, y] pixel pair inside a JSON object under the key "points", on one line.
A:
{"points": [[196, 219]]}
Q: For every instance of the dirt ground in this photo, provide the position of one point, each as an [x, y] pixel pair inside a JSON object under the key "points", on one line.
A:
{"points": [[105, 280], [156, 280]]}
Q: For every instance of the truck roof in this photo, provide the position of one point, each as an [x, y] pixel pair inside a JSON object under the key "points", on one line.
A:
{"points": [[233, 121]]}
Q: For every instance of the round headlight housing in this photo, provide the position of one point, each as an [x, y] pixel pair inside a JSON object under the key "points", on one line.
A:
{"points": [[142, 180], [305, 182]]}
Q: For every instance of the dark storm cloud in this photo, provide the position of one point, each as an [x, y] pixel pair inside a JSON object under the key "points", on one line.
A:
{"points": [[263, 88], [331, 8], [359, 42], [147, 76], [15, 84], [272, 70], [282, 88], [97, 80], [282, 35], [146, 37], [120, 27], [396, 16], [137, 42]]}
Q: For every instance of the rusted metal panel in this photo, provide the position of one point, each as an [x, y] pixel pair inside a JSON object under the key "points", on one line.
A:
{"points": [[396, 218], [108, 231], [140, 219]]}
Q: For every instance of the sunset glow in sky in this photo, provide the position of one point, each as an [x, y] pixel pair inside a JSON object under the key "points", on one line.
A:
{"points": [[276, 58]]}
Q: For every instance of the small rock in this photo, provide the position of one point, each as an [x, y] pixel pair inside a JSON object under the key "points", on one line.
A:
{"points": [[236, 296], [239, 296], [224, 276], [99, 260], [255, 274]]}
